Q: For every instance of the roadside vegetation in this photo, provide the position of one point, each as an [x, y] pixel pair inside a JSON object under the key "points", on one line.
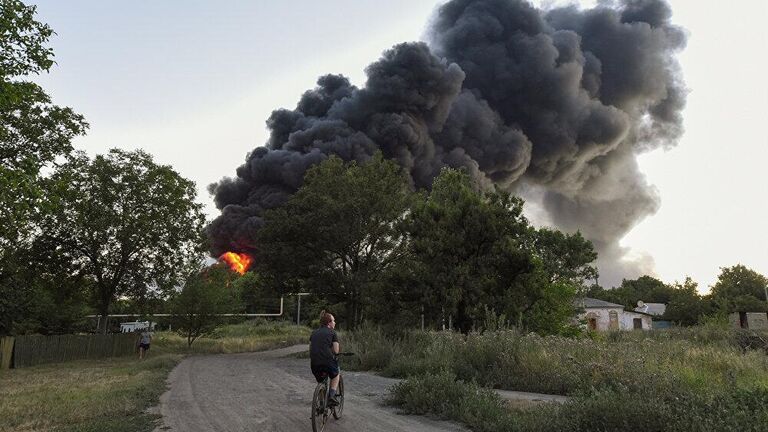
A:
{"points": [[94, 395], [707, 377], [114, 394]]}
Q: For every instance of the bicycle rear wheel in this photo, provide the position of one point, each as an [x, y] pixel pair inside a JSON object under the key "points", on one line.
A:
{"points": [[319, 413], [340, 396]]}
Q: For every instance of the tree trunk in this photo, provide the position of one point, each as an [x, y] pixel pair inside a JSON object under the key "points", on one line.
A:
{"points": [[105, 298], [104, 312]]}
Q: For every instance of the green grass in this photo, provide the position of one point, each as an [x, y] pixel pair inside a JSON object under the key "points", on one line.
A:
{"points": [[257, 335], [88, 395], [114, 394], [702, 378]]}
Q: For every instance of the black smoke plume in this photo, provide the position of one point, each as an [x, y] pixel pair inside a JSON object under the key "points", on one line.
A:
{"points": [[557, 101]]}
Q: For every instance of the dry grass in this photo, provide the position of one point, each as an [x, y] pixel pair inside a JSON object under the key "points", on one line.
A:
{"points": [[114, 394], [88, 395]]}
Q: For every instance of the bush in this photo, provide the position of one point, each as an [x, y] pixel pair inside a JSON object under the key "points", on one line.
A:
{"points": [[482, 410], [442, 395]]}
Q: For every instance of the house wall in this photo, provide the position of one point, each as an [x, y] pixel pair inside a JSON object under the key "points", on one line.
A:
{"points": [[625, 319], [603, 317], [753, 320]]}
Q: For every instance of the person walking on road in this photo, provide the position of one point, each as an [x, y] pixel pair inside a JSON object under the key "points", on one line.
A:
{"points": [[145, 338]]}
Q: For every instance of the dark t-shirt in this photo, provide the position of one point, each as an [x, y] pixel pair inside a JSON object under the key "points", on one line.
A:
{"points": [[321, 347]]}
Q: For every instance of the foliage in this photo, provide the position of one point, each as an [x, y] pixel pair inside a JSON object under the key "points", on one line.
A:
{"points": [[205, 295], [625, 381], [339, 234], [567, 258], [474, 255], [685, 305], [128, 223], [740, 289], [33, 134], [645, 288], [448, 396]]}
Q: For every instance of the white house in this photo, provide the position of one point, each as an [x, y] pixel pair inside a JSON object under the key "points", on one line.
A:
{"points": [[602, 316], [132, 326]]}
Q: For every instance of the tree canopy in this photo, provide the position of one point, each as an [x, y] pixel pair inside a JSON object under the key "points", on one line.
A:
{"points": [[339, 234], [33, 131], [34, 134], [127, 222], [740, 289], [206, 294]]}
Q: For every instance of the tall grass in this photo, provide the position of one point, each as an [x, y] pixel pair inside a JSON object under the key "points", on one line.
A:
{"points": [[703, 378], [256, 335], [633, 361]]}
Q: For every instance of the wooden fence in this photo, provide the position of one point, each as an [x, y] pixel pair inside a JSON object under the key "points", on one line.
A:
{"points": [[6, 352], [34, 349]]}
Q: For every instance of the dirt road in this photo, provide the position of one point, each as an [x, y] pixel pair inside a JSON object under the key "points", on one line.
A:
{"points": [[271, 392]]}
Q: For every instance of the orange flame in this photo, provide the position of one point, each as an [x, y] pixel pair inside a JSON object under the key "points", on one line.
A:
{"points": [[238, 262]]}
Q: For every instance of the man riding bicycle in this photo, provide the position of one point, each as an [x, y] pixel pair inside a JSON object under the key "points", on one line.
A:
{"points": [[323, 348]]}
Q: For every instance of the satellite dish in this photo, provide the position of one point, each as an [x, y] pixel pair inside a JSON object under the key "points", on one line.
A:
{"points": [[640, 303]]}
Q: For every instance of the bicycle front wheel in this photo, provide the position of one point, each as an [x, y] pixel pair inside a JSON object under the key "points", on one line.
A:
{"points": [[340, 396], [319, 413]]}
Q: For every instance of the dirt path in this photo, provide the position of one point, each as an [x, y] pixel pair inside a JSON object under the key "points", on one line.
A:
{"points": [[270, 392]]}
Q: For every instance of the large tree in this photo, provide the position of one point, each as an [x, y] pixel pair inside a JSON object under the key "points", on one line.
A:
{"points": [[127, 222], [567, 258], [33, 131], [685, 305], [740, 289], [33, 134], [339, 235], [469, 253]]}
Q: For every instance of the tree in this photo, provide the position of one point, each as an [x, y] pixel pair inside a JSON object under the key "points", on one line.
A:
{"points": [[205, 295], [127, 222], [339, 235], [740, 289], [33, 134], [468, 253], [645, 288], [566, 257], [33, 131], [685, 306]]}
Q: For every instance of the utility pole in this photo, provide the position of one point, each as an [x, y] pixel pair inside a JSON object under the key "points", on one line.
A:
{"points": [[298, 307]]}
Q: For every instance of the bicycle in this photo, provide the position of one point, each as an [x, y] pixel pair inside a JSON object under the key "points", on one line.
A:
{"points": [[321, 410]]}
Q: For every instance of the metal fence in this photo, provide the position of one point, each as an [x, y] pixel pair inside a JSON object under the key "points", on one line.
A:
{"points": [[34, 349]]}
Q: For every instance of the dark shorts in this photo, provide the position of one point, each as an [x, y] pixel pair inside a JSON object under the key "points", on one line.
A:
{"points": [[321, 371], [144, 346]]}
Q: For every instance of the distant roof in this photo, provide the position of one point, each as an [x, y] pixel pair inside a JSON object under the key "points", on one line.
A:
{"points": [[588, 302], [652, 308]]}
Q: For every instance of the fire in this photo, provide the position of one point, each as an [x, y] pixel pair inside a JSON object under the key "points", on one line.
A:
{"points": [[238, 262]]}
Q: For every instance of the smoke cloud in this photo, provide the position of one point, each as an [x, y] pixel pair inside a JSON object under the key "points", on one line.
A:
{"points": [[560, 101]]}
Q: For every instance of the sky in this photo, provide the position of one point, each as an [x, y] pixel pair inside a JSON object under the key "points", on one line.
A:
{"points": [[192, 83]]}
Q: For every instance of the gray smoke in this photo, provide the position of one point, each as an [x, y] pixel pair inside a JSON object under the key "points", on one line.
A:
{"points": [[561, 100]]}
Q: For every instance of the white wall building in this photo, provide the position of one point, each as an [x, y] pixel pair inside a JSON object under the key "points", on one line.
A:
{"points": [[603, 316], [132, 326]]}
